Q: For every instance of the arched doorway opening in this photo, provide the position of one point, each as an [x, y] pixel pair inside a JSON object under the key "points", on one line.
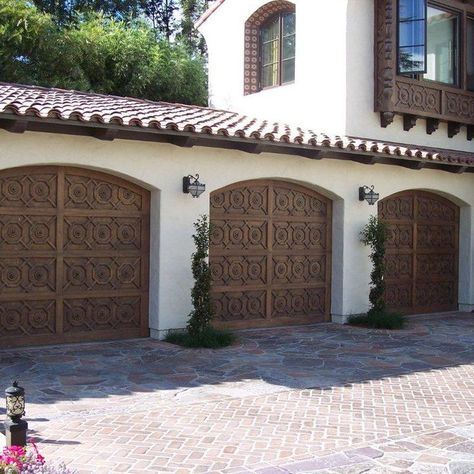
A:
{"points": [[74, 256], [270, 254]]}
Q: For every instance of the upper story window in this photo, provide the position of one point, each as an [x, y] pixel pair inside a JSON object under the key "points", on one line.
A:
{"points": [[429, 42], [277, 50], [424, 63], [269, 46]]}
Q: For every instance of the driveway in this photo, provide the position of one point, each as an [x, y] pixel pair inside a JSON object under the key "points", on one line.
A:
{"points": [[323, 398]]}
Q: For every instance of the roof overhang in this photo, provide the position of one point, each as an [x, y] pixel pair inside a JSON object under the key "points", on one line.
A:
{"points": [[187, 139]]}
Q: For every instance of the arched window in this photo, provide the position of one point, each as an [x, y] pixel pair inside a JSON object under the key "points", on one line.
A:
{"points": [[270, 46], [277, 50]]}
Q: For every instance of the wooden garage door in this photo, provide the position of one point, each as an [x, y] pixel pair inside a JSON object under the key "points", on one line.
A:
{"points": [[73, 257], [422, 252], [270, 255]]}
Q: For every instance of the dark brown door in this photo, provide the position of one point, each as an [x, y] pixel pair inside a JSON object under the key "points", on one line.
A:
{"points": [[270, 255], [74, 253], [422, 252]]}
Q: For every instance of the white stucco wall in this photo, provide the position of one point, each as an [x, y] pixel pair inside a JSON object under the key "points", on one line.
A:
{"points": [[334, 86], [160, 168]]}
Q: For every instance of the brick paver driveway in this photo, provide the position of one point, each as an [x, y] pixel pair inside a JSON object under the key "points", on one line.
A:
{"points": [[324, 398]]}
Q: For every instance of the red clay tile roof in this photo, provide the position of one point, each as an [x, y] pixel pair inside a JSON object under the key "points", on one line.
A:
{"points": [[66, 107]]}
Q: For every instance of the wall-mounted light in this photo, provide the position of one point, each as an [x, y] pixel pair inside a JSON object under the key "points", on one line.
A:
{"points": [[368, 194], [191, 185]]}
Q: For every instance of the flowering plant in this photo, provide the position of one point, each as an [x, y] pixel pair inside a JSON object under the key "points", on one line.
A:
{"points": [[27, 460]]}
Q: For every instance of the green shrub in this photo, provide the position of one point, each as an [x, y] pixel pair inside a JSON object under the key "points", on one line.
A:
{"points": [[209, 339], [379, 320], [374, 235]]}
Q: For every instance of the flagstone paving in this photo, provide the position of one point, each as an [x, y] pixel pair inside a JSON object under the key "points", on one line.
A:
{"points": [[322, 398]]}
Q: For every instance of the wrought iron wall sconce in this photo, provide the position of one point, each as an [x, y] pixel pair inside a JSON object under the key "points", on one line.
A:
{"points": [[368, 194], [191, 185]]}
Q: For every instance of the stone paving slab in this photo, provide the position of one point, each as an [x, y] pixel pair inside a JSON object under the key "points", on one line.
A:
{"points": [[323, 398]]}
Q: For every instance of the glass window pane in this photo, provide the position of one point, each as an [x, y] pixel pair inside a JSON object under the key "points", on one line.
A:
{"points": [[411, 59], [289, 24], [470, 54], [411, 36], [288, 71], [270, 75], [441, 46], [271, 30], [410, 10], [270, 53], [288, 47], [412, 33]]}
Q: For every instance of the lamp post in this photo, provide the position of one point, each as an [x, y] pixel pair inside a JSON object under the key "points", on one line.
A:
{"points": [[15, 427]]}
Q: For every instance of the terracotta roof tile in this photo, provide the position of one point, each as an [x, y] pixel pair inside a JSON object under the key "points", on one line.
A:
{"points": [[73, 106]]}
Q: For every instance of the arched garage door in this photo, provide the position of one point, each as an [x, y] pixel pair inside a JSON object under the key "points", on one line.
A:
{"points": [[270, 255], [422, 252], [73, 257]]}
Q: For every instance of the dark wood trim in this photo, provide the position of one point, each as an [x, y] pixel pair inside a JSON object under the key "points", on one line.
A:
{"points": [[409, 121], [453, 129], [15, 125], [432, 125], [470, 132]]}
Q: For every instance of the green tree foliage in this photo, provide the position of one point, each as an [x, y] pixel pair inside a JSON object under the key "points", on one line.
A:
{"points": [[201, 316], [25, 37], [191, 10], [375, 235], [161, 13], [96, 53], [63, 11]]}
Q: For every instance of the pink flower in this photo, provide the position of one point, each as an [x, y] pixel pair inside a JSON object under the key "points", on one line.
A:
{"points": [[17, 451]]}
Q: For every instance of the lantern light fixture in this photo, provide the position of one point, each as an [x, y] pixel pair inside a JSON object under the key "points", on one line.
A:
{"points": [[368, 194], [15, 427], [191, 185]]}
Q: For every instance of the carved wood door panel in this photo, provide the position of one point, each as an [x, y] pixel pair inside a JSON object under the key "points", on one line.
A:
{"points": [[270, 255], [422, 252], [74, 256]]}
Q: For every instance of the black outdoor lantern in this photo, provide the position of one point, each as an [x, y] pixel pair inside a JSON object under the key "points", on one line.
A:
{"points": [[15, 427], [191, 185], [368, 194]]}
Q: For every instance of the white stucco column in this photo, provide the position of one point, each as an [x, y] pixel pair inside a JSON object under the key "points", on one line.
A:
{"points": [[351, 292], [171, 249], [466, 259]]}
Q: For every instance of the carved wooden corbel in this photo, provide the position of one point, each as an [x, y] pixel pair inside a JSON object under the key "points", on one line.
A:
{"points": [[386, 118], [470, 132], [431, 125], [409, 121], [453, 129]]}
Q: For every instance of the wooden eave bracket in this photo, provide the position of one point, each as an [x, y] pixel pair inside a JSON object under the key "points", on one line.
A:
{"points": [[409, 121], [432, 125], [453, 129], [14, 125], [386, 118], [470, 132], [413, 165], [107, 134]]}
